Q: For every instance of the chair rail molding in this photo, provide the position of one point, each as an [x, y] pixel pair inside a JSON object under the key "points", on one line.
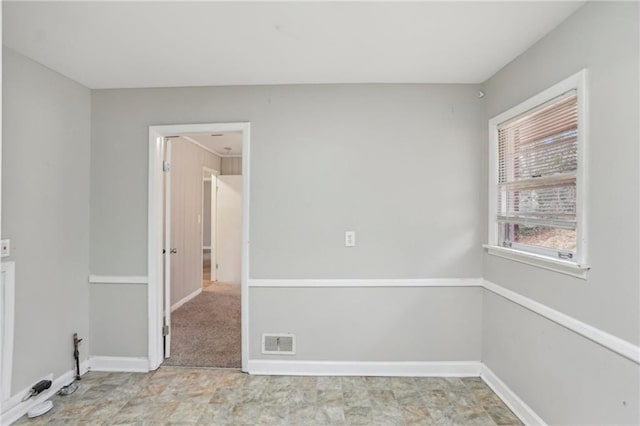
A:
{"points": [[615, 344], [118, 279]]}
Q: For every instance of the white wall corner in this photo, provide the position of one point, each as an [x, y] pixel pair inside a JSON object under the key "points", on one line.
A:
{"points": [[510, 398]]}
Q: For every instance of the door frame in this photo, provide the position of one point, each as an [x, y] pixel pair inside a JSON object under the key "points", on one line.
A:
{"points": [[155, 287], [7, 313], [166, 250], [213, 218]]}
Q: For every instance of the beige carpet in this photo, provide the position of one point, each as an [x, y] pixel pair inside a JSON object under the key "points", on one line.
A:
{"points": [[205, 332]]}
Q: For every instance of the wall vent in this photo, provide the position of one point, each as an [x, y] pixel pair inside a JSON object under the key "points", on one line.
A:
{"points": [[278, 344]]}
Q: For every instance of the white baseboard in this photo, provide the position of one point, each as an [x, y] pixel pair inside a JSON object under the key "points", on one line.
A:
{"points": [[513, 401], [355, 368], [14, 407], [117, 363], [185, 299]]}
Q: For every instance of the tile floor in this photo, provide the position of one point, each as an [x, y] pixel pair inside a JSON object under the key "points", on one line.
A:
{"points": [[173, 395]]}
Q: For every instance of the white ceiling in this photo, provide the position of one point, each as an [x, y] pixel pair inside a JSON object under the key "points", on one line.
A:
{"points": [[164, 44], [217, 143]]}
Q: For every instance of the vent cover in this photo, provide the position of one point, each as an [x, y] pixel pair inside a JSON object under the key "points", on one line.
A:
{"points": [[278, 344]]}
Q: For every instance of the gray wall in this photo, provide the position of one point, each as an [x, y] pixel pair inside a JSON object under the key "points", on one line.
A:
{"points": [[118, 320], [602, 37], [45, 201], [371, 324], [565, 378], [321, 158], [339, 142]]}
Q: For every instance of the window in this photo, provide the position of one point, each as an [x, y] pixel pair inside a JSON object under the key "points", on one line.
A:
{"points": [[537, 177]]}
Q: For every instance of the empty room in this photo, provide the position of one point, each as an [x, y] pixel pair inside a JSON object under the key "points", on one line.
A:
{"points": [[299, 213]]}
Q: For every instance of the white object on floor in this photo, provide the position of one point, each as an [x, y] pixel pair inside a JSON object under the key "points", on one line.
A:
{"points": [[69, 389], [40, 409]]}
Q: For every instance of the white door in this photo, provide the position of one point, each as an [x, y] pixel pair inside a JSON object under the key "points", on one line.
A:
{"points": [[214, 249], [209, 193], [168, 249], [229, 236]]}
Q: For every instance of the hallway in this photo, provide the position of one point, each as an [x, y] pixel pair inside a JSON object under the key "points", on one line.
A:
{"points": [[205, 332]]}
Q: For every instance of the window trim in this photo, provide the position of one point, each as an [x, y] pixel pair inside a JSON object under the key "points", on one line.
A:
{"points": [[577, 266]]}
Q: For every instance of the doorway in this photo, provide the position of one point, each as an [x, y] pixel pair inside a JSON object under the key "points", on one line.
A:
{"points": [[204, 320], [162, 321]]}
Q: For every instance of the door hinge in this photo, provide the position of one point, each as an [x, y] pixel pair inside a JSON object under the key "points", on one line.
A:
{"points": [[165, 330], [166, 166]]}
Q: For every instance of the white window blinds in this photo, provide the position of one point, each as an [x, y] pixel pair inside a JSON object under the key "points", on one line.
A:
{"points": [[537, 166]]}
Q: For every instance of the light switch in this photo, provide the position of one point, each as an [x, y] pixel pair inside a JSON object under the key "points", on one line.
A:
{"points": [[349, 239], [5, 248]]}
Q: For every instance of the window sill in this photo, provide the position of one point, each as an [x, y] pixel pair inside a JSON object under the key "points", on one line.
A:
{"points": [[557, 265]]}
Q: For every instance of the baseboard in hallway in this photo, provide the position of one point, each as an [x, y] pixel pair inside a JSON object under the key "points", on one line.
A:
{"points": [[223, 288], [185, 299]]}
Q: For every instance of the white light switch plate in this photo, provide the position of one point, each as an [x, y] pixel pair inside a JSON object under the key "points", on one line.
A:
{"points": [[349, 239], [5, 248]]}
